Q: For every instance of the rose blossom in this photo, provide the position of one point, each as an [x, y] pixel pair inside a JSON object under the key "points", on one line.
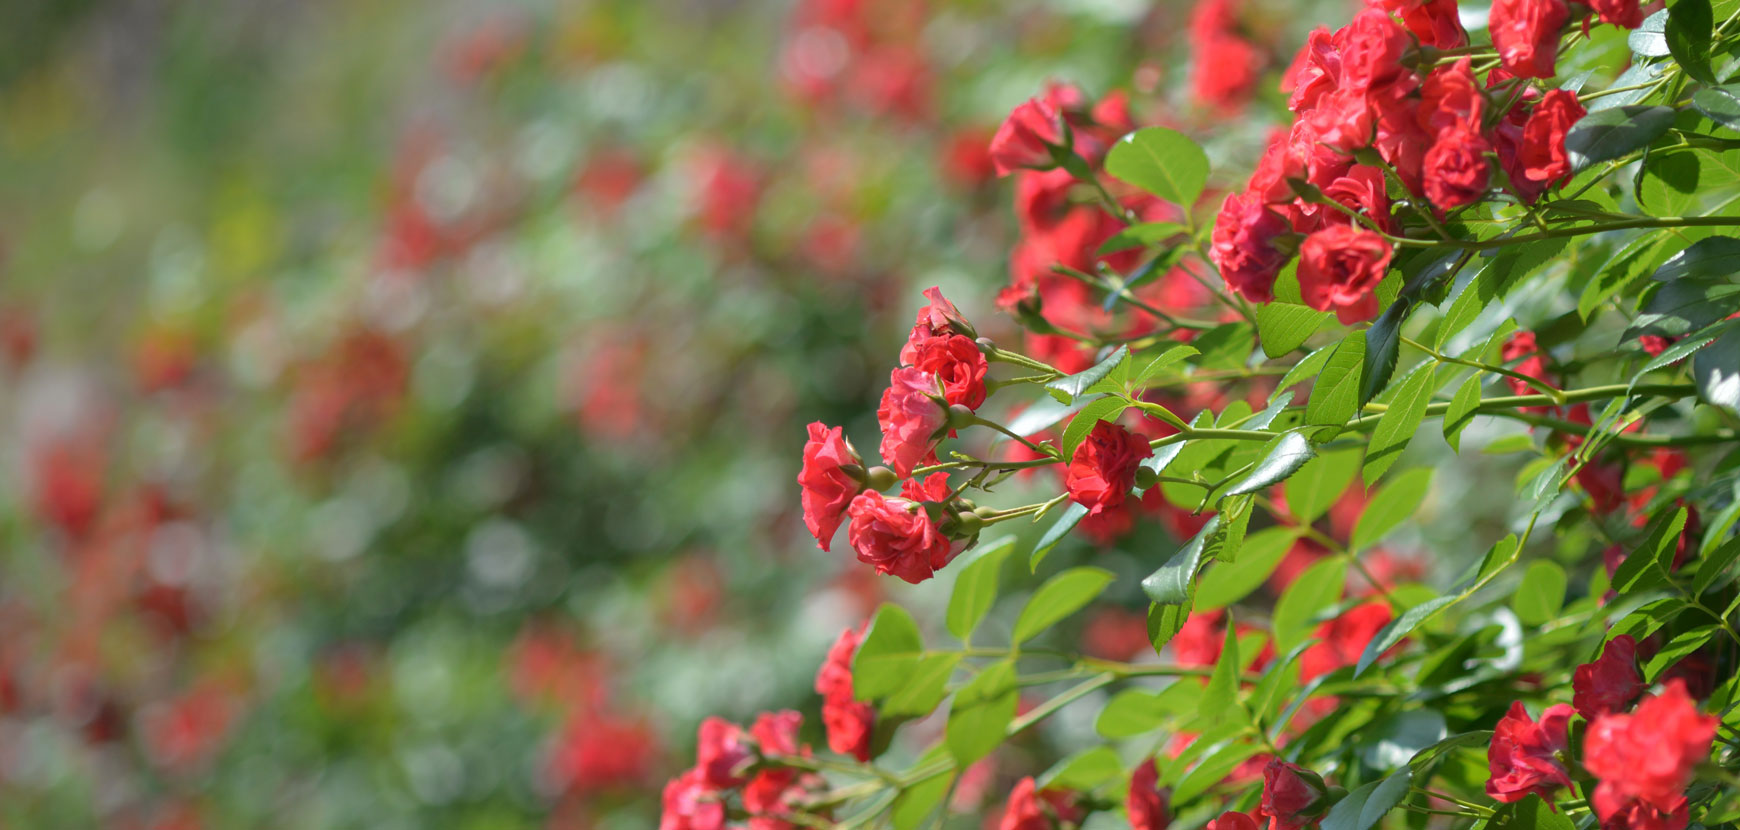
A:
{"points": [[1232, 821], [912, 418], [1104, 467], [1293, 797], [937, 319], [956, 362], [1026, 137], [689, 804], [1340, 267], [1610, 683], [1526, 33], [1626, 13], [1456, 171], [1371, 49], [1451, 97], [827, 488], [849, 722], [1145, 804], [1244, 247], [1031, 809], [1644, 760], [1525, 756], [1542, 152], [897, 537], [721, 748]]}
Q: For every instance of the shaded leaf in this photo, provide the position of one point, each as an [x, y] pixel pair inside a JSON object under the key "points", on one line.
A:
{"points": [[1717, 371], [1282, 457], [1399, 629], [1462, 410], [1071, 516], [1366, 805], [1382, 343], [1717, 256], [1611, 133], [1171, 583], [1396, 427]]}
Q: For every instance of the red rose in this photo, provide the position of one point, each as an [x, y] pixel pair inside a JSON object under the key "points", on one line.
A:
{"points": [[1029, 809], [937, 319], [1626, 13], [1293, 797], [1225, 69], [1526, 33], [1360, 189], [1451, 97], [1456, 170], [721, 749], [956, 362], [768, 794], [1645, 759], [1340, 267], [1026, 137], [897, 537], [1316, 71], [1610, 683], [827, 489], [1103, 469], [1524, 756], [849, 722], [1542, 153], [1232, 821], [1371, 51], [1244, 248], [933, 487], [1435, 22], [912, 418], [1342, 640], [689, 804], [1146, 805]]}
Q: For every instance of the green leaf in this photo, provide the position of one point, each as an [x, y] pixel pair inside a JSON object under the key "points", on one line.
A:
{"points": [[1163, 162], [1213, 769], [1141, 235], [1224, 584], [1263, 419], [1059, 597], [1611, 133], [1717, 371], [1461, 411], [1396, 427], [1366, 805], [1067, 389], [1719, 104], [1677, 649], [1171, 353], [1103, 409], [888, 654], [1623, 270], [1223, 684], [1542, 592], [1399, 629], [1717, 256], [1282, 457], [1066, 521], [1479, 292], [1382, 343], [1083, 771], [1481, 738], [1712, 566], [1133, 712], [1647, 564], [925, 687], [1687, 345], [1680, 307], [1283, 327], [975, 589], [1335, 396], [1689, 26], [981, 713], [1172, 583], [1649, 40], [1042, 415], [1226, 346], [1308, 367], [1317, 588], [1318, 484], [1391, 506], [917, 801], [1633, 81], [1531, 813], [1164, 623]]}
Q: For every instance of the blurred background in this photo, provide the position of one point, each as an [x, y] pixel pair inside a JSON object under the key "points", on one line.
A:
{"points": [[401, 400]]}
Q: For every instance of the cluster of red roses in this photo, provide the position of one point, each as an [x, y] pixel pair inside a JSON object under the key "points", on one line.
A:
{"points": [[1642, 758], [937, 387], [864, 53], [730, 760], [1375, 100], [1051, 144]]}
